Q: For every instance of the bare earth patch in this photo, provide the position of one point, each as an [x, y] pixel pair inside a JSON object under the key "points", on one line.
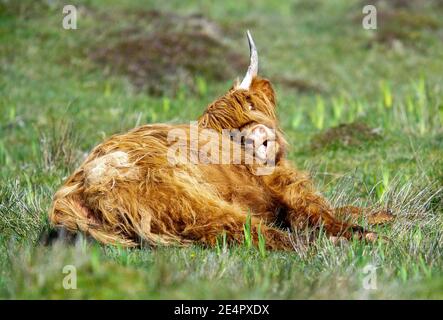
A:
{"points": [[171, 53]]}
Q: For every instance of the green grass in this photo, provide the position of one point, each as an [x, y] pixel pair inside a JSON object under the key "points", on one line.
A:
{"points": [[56, 104]]}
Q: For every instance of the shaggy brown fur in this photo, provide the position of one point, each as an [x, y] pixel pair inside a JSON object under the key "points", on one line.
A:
{"points": [[127, 192]]}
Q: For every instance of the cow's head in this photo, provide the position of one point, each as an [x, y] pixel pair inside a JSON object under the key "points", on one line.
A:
{"points": [[248, 103]]}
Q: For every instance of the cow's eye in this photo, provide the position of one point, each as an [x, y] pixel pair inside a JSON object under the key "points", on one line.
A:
{"points": [[251, 107]]}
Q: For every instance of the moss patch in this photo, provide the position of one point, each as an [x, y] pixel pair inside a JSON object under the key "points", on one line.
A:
{"points": [[345, 135]]}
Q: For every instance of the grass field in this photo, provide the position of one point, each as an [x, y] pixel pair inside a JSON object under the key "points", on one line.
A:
{"points": [[362, 110]]}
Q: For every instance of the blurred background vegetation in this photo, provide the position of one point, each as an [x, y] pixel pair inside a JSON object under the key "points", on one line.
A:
{"points": [[362, 110]]}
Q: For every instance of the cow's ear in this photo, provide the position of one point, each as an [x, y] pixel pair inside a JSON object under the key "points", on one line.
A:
{"points": [[263, 86]]}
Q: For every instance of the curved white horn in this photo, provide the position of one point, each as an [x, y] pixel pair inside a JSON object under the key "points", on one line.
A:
{"points": [[253, 64]]}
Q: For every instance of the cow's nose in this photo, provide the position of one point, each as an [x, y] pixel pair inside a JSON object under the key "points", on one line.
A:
{"points": [[259, 133]]}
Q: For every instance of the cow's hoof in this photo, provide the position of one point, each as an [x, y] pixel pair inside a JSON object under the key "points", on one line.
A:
{"points": [[338, 241], [371, 236], [62, 235]]}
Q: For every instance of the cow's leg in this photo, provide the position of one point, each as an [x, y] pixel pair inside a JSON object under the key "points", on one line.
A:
{"points": [[200, 215], [71, 215], [96, 200], [369, 215], [295, 190], [222, 218]]}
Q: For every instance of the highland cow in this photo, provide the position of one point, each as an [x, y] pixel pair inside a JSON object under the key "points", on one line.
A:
{"points": [[129, 192]]}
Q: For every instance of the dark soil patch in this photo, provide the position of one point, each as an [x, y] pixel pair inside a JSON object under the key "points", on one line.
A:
{"points": [[24, 9], [403, 25], [402, 4], [403, 21], [172, 52], [345, 135]]}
